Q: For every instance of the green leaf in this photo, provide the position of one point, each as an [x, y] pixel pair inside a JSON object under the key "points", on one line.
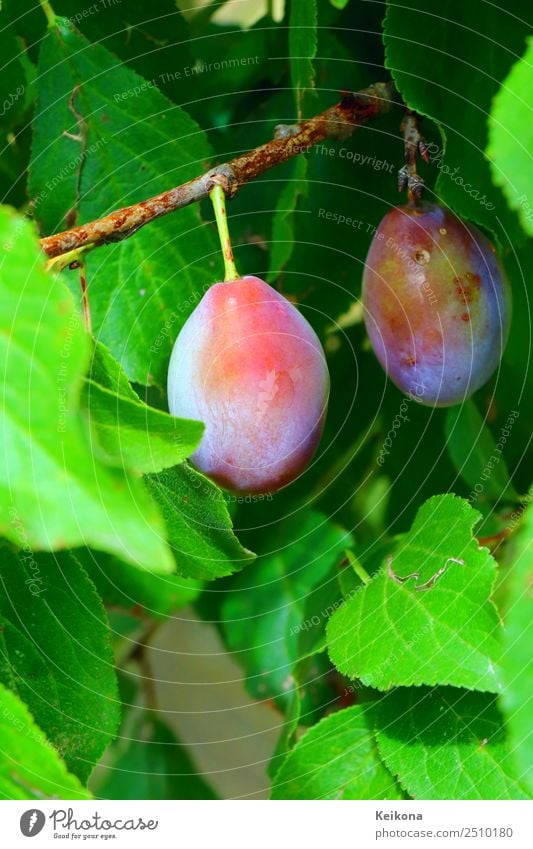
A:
{"points": [[427, 618], [517, 659], [105, 137], [121, 585], [56, 655], [149, 763], [128, 433], [53, 492], [475, 454], [283, 223], [14, 79], [336, 759], [339, 4], [445, 743], [302, 48], [265, 614], [511, 138], [30, 768], [451, 73], [198, 524]]}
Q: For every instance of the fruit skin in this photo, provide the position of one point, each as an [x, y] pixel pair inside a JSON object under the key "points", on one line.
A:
{"points": [[436, 303], [249, 366]]}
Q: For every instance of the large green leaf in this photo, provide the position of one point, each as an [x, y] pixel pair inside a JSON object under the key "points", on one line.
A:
{"points": [[198, 524], [104, 138], [336, 759], [475, 454], [511, 138], [55, 653], [29, 767], [53, 492], [143, 593], [302, 48], [149, 763], [517, 658], [446, 744], [427, 618], [265, 614], [127, 432], [448, 64]]}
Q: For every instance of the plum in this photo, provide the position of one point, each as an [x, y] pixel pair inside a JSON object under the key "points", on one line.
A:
{"points": [[249, 366], [436, 303]]}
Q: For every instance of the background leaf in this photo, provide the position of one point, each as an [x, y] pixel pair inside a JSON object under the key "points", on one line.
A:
{"points": [[127, 432], [56, 655], [336, 759], [264, 617], [475, 454], [44, 354], [105, 138], [511, 138], [516, 659], [302, 47], [392, 632], [198, 524], [149, 763], [450, 71]]}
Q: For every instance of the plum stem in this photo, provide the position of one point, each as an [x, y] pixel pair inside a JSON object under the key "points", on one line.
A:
{"points": [[337, 122], [218, 199]]}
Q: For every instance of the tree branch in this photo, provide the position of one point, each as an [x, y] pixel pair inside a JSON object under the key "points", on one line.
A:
{"points": [[338, 121]]}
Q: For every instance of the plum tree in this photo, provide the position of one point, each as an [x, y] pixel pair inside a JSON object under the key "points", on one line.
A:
{"points": [[436, 303], [250, 366]]}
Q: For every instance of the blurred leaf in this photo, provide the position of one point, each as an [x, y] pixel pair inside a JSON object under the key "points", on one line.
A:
{"points": [[128, 433], [511, 138], [450, 72], [198, 524], [516, 659], [446, 744], [264, 615], [30, 768], [46, 454], [430, 622], [55, 653], [339, 4], [149, 763], [105, 137], [302, 48], [282, 225], [336, 759], [475, 454]]}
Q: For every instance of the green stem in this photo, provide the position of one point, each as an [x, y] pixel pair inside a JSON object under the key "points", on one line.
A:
{"points": [[49, 12], [218, 199], [359, 570]]}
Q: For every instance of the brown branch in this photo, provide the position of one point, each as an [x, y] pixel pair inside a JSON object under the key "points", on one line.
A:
{"points": [[338, 121]]}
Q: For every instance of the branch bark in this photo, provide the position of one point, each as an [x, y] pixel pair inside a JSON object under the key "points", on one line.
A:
{"points": [[338, 121]]}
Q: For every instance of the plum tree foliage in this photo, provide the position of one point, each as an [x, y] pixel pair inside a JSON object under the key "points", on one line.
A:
{"points": [[275, 456]]}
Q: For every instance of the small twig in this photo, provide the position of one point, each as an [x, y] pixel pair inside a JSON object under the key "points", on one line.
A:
{"points": [[338, 121], [414, 144]]}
